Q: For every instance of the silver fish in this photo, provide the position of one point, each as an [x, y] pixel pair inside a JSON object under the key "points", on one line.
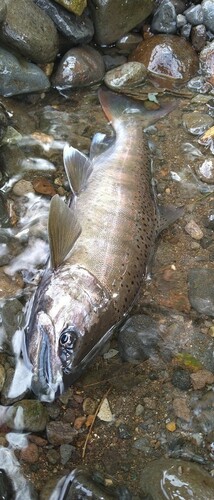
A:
{"points": [[99, 249]]}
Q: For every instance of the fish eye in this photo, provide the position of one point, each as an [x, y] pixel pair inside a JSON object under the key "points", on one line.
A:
{"points": [[68, 338]]}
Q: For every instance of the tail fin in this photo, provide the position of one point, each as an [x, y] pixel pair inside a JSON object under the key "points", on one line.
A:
{"points": [[120, 106]]}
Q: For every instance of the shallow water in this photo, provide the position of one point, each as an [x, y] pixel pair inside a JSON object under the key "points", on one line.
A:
{"points": [[34, 154]]}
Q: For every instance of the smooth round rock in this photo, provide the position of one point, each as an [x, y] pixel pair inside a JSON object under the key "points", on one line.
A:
{"points": [[18, 76], [208, 13], [164, 19], [30, 31], [127, 75], [80, 67], [201, 290], [168, 478], [169, 59], [113, 18]]}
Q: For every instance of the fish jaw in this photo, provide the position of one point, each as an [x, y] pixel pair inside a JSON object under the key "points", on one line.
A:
{"points": [[47, 378]]}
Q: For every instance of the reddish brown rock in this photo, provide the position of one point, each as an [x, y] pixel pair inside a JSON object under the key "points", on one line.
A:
{"points": [[30, 454], [43, 186], [171, 60]]}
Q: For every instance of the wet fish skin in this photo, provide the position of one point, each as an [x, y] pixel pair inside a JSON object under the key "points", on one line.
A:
{"points": [[110, 230]]}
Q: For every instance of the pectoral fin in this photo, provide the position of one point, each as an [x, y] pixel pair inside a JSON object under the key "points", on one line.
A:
{"points": [[78, 168], [63, 230]]}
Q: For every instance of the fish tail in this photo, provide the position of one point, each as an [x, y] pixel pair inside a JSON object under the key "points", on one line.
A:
{"points": [[120, 106]]}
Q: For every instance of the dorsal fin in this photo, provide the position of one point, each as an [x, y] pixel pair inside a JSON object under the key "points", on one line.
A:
{"points": [[78, 168], [63, 230]]}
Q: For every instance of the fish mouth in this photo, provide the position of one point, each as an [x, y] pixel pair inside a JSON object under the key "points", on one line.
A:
{"points": [[47, 379]]}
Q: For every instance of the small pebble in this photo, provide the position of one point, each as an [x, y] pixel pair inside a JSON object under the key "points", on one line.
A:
{"points": [[194, 230], [22, 187], [201, 378], [171, 426]]}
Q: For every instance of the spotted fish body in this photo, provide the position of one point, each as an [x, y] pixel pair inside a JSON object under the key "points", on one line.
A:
{"points": [[110, 231]]}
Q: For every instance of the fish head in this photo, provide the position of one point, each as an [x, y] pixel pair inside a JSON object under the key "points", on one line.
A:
{"points": [[64, 325]]}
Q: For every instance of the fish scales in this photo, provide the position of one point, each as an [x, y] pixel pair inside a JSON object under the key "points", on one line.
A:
{"points": [[83, 295], [120, 219]]}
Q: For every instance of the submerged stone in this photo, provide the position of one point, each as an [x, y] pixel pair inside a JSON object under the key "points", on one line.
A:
{"points": [[138, 338], [120, 16], [171, 60], [168, 478], [201, 290]]}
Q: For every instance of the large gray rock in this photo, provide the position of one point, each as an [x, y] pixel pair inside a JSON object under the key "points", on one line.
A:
{"points": [[29, 30], [114, 18], [201, 290], [208, 12], [78, 29], [18, 76]]}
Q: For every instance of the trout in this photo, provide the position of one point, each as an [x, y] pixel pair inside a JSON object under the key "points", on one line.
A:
{"points": [[99, 249]]}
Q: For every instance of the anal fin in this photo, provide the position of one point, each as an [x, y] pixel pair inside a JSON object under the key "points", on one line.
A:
{"points": [[63, 230], [78, 168]]}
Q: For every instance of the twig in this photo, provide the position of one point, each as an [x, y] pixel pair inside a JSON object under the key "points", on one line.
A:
{"points": [[92, 423]]}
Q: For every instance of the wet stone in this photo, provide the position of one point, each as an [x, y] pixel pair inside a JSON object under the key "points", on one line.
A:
{"points": [[12, 316], [77, 29], [38, 40], [164, 19], [198, 37], [127, 75], [196, 123], [194, 15], [138, 338], [18, 76], [205, 170], [112, 61], [189, 480], [181, 379], [206, 59], [76, 6], [128, 42], [29, 415], [121, 16], [80, 67], [181, 21], [170, 59], [186, 30], [60, 433], [201, 290], [208, 13]]}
